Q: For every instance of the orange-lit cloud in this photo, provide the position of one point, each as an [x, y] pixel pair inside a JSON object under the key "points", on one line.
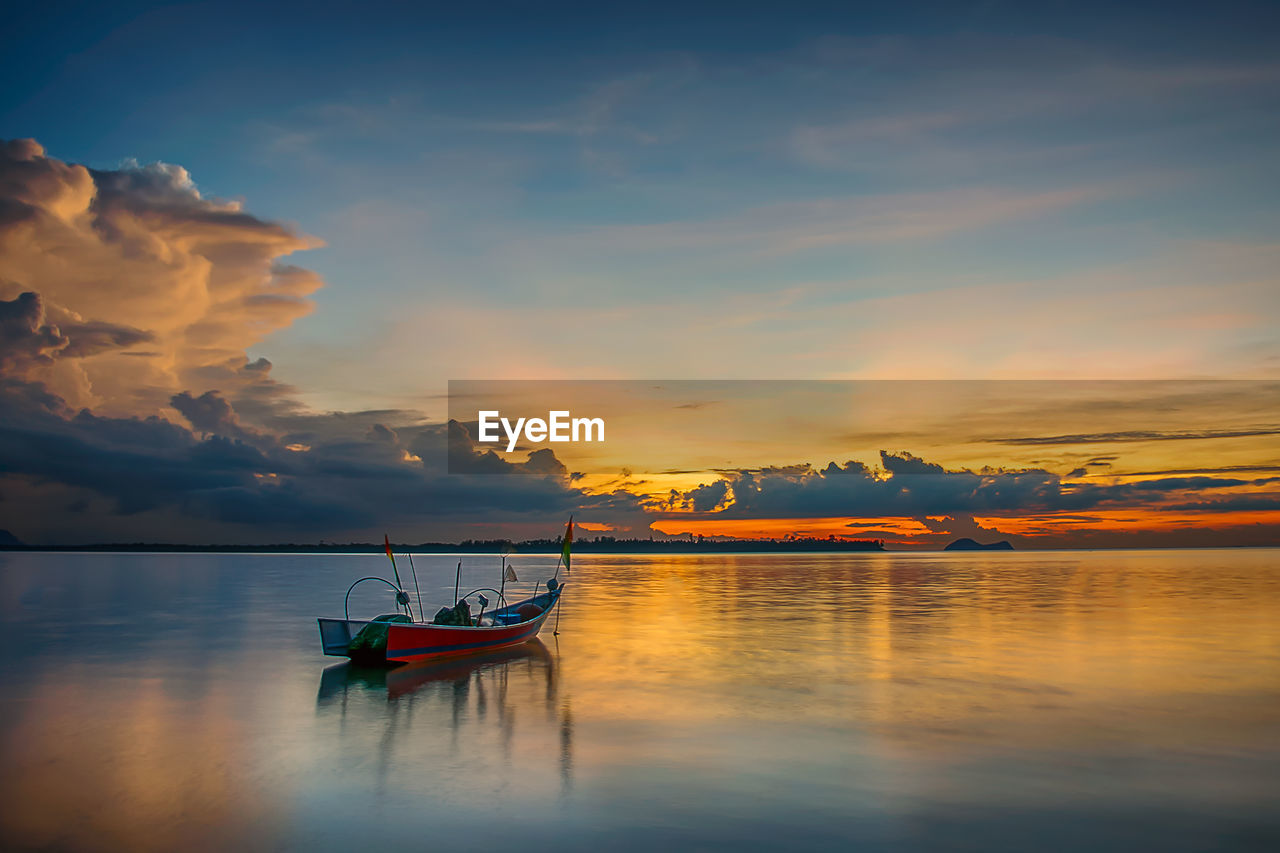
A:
{"points": [[142, 287]]}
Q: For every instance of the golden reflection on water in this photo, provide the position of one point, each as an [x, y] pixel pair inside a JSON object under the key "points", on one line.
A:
{"points": [[700, 696], [1019, 648]]}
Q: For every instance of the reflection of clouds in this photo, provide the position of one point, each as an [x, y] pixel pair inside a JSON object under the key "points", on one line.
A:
{"points": [[145, 770]]}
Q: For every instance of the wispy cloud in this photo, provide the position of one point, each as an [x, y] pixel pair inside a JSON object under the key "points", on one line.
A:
{"points": [[789, 227], [1130, 436]]}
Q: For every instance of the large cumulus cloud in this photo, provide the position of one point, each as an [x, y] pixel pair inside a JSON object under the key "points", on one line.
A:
{"points": [[124, 287], [132, 411]]}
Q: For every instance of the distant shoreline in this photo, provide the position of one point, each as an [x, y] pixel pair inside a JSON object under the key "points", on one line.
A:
{"points": [[601, 545], [580, 548]]}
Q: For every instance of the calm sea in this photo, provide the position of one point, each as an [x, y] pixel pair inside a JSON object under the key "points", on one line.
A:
{"points": [[1024, 701]]}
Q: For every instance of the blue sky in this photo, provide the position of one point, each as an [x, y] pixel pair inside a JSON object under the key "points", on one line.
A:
{"points": [[520, 162]]}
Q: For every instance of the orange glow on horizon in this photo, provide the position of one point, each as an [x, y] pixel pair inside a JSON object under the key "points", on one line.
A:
{"points": [[1155, 519], [906, 529], [777, 528]]}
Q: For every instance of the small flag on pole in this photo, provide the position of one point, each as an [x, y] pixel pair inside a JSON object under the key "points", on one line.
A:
{"points": [[568, 542], [386, 541], [511, 574]]}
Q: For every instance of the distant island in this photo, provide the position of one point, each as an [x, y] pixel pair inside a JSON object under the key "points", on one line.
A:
{"points": [[593, 545], [967, 544]]}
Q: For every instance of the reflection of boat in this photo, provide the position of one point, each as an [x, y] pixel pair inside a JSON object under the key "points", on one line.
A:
{"points": [[436, 713], [399, 638], [407, 679], [337, 680]]}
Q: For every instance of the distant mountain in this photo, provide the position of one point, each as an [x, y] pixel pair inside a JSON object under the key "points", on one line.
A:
{"points": [[8, 540], [970, 545]]}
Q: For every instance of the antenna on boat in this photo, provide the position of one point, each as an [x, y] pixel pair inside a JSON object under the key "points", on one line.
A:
{"points": [[421, 612], [457, 580]]}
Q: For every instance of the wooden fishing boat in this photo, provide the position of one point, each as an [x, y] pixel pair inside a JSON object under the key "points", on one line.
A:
{"points": [[400, 638], [406, 641]]}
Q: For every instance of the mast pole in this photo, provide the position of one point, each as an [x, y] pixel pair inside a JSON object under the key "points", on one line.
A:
{"points": [[421, 613]]}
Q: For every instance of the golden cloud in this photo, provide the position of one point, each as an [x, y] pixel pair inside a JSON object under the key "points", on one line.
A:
{"points": [[144, 288]]}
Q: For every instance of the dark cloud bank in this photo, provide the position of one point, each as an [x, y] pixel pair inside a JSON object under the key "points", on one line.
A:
{"points": [[910, 487]]}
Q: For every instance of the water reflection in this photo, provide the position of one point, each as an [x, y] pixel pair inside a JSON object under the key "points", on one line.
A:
{"points": [[480, 699], [1015, 701]]}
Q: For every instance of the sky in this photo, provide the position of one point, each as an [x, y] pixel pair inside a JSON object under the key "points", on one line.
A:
{"points": [[263, 240]]}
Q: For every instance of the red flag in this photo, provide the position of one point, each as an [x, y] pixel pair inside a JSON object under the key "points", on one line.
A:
{"points": [[386, 541]]}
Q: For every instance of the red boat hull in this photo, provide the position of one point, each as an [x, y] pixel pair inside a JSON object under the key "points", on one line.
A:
{"points": [[406, 643]]}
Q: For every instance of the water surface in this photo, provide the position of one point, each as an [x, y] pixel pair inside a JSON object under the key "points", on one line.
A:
{"points": [[1068, 700]]}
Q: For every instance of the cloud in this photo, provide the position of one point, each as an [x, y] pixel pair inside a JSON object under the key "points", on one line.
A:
{"points": [[977, 104], [912, 487], [703, 498], [788, 227], [1135, 436], [211, 414], [24, 336], [1225, 469], [30, 336], [950, 527], [228, 484], [97, 264], [117, 258], [905, 463], [1239, 503]]}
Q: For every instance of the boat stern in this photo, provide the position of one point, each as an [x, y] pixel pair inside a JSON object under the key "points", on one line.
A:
{"points": [[336, 634]]}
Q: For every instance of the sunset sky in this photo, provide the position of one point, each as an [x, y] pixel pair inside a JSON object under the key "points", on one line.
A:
{"points": [[243, 251]]}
